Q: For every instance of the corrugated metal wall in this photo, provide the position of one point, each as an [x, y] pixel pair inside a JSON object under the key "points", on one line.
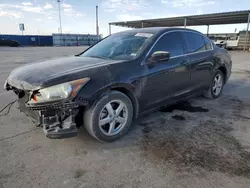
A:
{"points": [[30, 40], [74, 39]]}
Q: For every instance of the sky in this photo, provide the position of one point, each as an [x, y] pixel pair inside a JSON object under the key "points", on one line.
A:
{"points": [[78, 16]]}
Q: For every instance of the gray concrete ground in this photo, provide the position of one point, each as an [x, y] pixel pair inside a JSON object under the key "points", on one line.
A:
{"points": [[202, 144]]}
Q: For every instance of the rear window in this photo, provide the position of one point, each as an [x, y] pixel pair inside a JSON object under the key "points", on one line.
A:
{"points": [[195, 42], [208, 44]]}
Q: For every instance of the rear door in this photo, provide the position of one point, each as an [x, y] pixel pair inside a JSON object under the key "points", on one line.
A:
{"points": [[200, 53], [162, 81]]}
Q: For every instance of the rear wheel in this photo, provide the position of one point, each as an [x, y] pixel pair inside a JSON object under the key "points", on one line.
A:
{"points": [[216, 86], [110, 118]]}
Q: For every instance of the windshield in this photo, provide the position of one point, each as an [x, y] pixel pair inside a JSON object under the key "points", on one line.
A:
{"points": [[121, 46]]}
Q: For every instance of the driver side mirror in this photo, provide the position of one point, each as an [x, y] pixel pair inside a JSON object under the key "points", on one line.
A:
{"points": [[159, 56]]}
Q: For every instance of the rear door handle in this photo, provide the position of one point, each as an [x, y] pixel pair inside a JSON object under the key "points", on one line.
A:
{"points": [[184, 62]]}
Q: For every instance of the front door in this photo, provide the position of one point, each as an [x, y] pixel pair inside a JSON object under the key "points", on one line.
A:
{"points": [[165, 80]]}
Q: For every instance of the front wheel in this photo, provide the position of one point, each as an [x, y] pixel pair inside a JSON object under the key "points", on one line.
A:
{"points": [[110, 118], [216, 86]]}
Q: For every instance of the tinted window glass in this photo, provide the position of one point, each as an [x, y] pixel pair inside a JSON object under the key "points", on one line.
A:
{"points": [[172, 43], [195, 42], [207, 44], [120, 46]]}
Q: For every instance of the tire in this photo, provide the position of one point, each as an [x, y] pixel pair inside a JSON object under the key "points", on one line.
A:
{"points": [[211, 92], [102, 110]]}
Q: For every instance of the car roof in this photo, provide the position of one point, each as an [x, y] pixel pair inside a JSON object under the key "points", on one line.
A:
{"points": [[157, 30]]}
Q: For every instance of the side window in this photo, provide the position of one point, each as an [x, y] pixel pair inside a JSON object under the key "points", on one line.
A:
{"points": [[171, 42], [208, 44], [195, 42]]}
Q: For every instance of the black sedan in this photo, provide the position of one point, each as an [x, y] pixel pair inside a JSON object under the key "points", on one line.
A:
{"points": [[8, 42], [118, 79]]}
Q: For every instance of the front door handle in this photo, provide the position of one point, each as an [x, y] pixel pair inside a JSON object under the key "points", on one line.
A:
{"points": [[167, 73]]}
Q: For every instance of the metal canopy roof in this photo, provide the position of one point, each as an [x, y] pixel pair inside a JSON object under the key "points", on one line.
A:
{"points": [[235, 17]]}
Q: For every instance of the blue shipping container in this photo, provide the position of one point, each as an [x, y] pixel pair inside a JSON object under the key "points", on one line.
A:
{"points": [[30, 40]]}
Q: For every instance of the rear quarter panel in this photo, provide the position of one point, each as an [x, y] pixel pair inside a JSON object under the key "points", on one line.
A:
{"points": [[223, 59]]}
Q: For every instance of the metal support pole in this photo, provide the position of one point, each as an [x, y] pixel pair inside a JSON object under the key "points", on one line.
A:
{"points": [[60, 21], [142, 24], [185, 23], [109, 29], [97, 26], [248, 21], [207, 30], [59, 8]]}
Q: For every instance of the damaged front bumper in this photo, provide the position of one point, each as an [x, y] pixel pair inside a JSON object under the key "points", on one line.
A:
{"points": [[57, 119]]}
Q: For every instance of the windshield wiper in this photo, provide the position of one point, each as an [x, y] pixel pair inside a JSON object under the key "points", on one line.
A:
{"points": [[101, 57]]}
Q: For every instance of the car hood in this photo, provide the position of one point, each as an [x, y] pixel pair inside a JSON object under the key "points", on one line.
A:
{"points": [[34, 76]]}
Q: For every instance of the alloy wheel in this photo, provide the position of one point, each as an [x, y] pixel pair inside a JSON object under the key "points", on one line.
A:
{"points": [[217, 84], [113, 117]]}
